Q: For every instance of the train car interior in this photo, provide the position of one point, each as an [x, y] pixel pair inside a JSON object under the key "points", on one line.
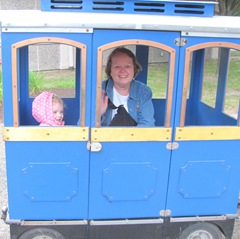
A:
{"points": [[34, 54], [201, 109], [208, 95]]}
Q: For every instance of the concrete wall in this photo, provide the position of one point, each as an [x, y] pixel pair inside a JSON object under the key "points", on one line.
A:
{"points": [[39, 57], [19, 4]]}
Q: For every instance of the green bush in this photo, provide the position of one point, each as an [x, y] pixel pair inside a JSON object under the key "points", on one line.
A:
{"points": [[36, 82]]}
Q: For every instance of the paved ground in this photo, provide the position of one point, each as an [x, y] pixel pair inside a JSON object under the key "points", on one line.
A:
{"points": [[4, 229]]}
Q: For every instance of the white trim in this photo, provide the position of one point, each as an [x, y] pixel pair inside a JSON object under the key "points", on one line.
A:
{"points": [[47, 29], [210, 34], [126, 222], [75, 22], [204, 218]]}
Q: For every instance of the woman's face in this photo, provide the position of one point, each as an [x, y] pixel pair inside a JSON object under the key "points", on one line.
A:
{"points": [[122, 70]]}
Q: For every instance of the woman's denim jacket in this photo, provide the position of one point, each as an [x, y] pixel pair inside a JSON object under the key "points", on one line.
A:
{"points": [[140, 105]]}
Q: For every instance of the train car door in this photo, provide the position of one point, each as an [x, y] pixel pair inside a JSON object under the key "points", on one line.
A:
{"points": [[205, 165], [129, 167]]}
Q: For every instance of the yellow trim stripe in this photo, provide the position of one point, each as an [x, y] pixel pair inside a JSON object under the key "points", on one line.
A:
{"points": [[45, 133], [207, 133], [130, 134]]}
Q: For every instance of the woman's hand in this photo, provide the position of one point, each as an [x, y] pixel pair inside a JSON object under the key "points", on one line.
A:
{"points": [[104, 102]]}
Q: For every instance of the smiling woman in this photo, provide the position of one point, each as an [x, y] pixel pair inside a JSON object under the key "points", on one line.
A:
{"points": [[120, 89]]}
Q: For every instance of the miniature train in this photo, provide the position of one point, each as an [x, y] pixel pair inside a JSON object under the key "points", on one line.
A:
{"points": [[179, 179]]}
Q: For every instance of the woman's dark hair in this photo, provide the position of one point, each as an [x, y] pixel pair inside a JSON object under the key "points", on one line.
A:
{"points": [[137, 66]]}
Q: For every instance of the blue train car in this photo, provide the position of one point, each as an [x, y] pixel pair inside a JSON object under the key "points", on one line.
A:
{"points": [[177, 180]]}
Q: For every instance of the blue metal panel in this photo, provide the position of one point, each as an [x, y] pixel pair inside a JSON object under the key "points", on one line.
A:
{"points": [[47, 180], [159, 111], [142, 56], [154, 7], [203, 187], [6, 80], [126, 188], [195, 93], [128, 183], [208, 116], [51, 180], [203, 178]]}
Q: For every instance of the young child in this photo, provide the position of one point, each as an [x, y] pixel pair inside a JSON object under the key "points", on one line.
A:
{"points": [[47, 109]]}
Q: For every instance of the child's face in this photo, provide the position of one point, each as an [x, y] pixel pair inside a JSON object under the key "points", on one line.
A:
{"points": [[58, 111]]}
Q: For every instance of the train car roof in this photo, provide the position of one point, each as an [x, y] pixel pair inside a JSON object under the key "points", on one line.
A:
{"points": [[36, 20]]}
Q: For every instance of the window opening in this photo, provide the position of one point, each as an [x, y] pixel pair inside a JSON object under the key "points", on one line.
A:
{"points": [[158, 72], [210, 77], [50, 64], [233, 87], [156, 63], [213, 87]]}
